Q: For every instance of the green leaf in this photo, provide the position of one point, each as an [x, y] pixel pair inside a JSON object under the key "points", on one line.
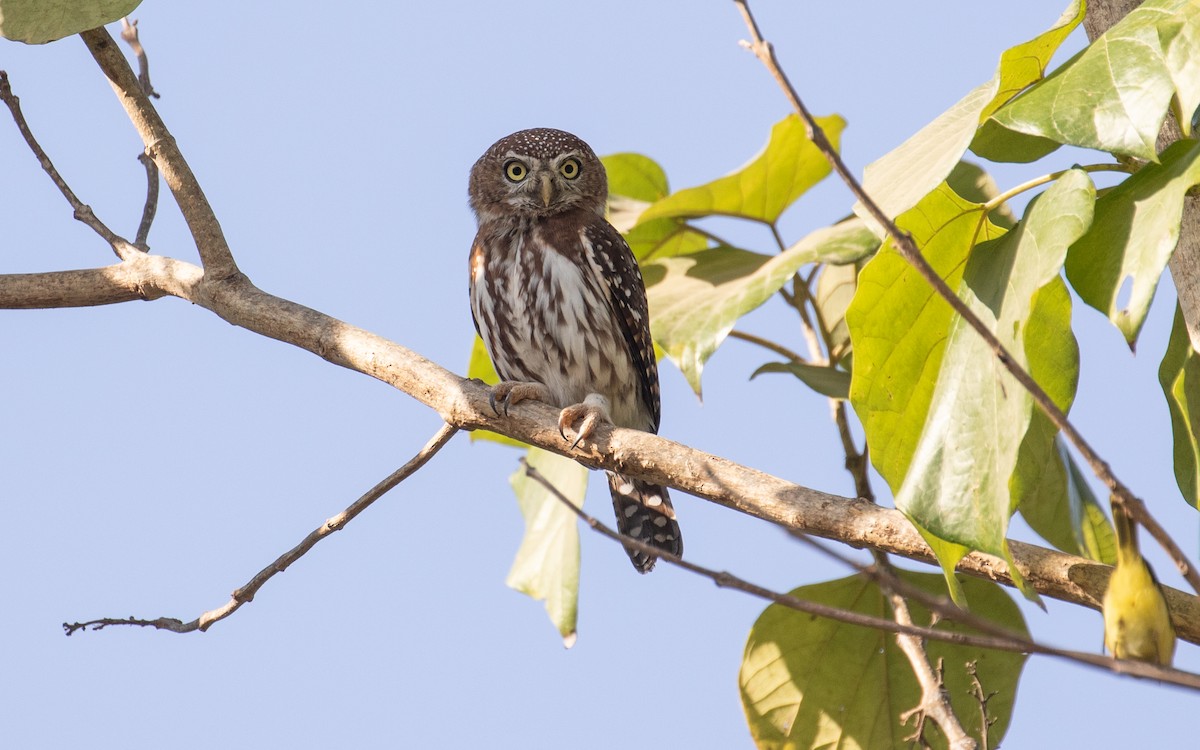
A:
{"points": [[835, 289], [957, 485], [547, 564], [1114, 95], [1179, 376], [1136, 230], [41, 21], [1049, 489], [898, 326], [480, 367], [810, 682], [664, 238], [972, 182], [696, 299], [827, 381], [1097, 539], [635, 176], [634, 182], [788, 166], [900, 178]]}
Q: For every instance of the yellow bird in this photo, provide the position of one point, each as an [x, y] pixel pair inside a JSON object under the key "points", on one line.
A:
{"points": [[1137, 624]]}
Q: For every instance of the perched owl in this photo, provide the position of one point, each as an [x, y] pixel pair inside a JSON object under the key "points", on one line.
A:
{"points": [[560, 305]]}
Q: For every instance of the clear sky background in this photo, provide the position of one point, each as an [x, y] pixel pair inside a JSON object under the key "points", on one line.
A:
{"points": [[153, 457]]}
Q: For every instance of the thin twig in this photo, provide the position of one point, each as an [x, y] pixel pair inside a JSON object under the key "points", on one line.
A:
{"points": [[129, 33], [83, 212], [728, 580], [779, 349], [908, 250], [151, 206], [982, 698], [245, 593]]}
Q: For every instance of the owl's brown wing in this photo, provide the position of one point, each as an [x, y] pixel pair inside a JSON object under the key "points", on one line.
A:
{"points": [[610, 256]]}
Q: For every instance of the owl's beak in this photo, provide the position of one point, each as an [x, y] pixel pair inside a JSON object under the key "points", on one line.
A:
{"points": [[547, 190]]}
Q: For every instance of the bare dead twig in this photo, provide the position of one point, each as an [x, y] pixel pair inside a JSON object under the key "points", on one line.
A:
{"points": [[129, 33], [728, 580], [904, 244], [977, 691], [150, 209], [83, 212], [246, 593]]}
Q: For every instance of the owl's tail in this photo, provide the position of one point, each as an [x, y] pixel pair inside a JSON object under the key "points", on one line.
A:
{"points": [[644, 512]]}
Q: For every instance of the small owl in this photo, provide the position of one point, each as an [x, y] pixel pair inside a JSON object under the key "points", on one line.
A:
{"points": [[560, 305]]}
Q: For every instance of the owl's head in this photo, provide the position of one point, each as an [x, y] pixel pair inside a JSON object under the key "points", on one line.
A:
{"points": [[536, 173]]}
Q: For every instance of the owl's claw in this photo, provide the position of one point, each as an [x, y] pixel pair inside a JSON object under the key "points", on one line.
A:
{"points": [[509, 392], [588, 414]]}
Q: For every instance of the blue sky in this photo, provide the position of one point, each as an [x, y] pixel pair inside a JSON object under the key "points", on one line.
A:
{"points": [[154, 457]]}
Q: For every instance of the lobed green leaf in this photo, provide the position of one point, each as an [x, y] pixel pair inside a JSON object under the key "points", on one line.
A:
{"points": [[810, 682]]}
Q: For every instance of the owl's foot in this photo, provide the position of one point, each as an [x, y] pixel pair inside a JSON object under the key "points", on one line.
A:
{"points": [[508, 392], [587, 415]]}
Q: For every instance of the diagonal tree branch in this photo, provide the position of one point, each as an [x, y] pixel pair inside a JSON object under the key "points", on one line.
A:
{"points": [[245, 594], [1009, 643], [911, 253], [160, 145], [464, 404], [82, 212]]}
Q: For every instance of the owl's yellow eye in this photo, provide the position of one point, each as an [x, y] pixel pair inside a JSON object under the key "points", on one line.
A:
{"points": [[569, 168], [515, 171]]}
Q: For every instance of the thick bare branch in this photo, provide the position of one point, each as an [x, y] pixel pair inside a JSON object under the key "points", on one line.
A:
{"points": [[464, 404], [142, 277], [160, 145]]}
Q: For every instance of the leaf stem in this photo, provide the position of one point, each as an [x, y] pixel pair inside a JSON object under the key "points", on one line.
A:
{"points": [[1002, 198], [782, 351]]}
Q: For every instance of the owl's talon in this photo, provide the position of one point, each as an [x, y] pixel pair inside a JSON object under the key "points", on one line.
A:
{"points": [[588, 414], [509, 392]]}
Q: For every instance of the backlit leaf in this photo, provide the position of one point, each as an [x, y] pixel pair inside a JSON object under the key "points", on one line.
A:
{"points": [[547, 564], [1179, 376], [1114, 95], [1136, 230], [782, 172], [810, 682], [696, 299], [900, 178], [957, 485]]}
